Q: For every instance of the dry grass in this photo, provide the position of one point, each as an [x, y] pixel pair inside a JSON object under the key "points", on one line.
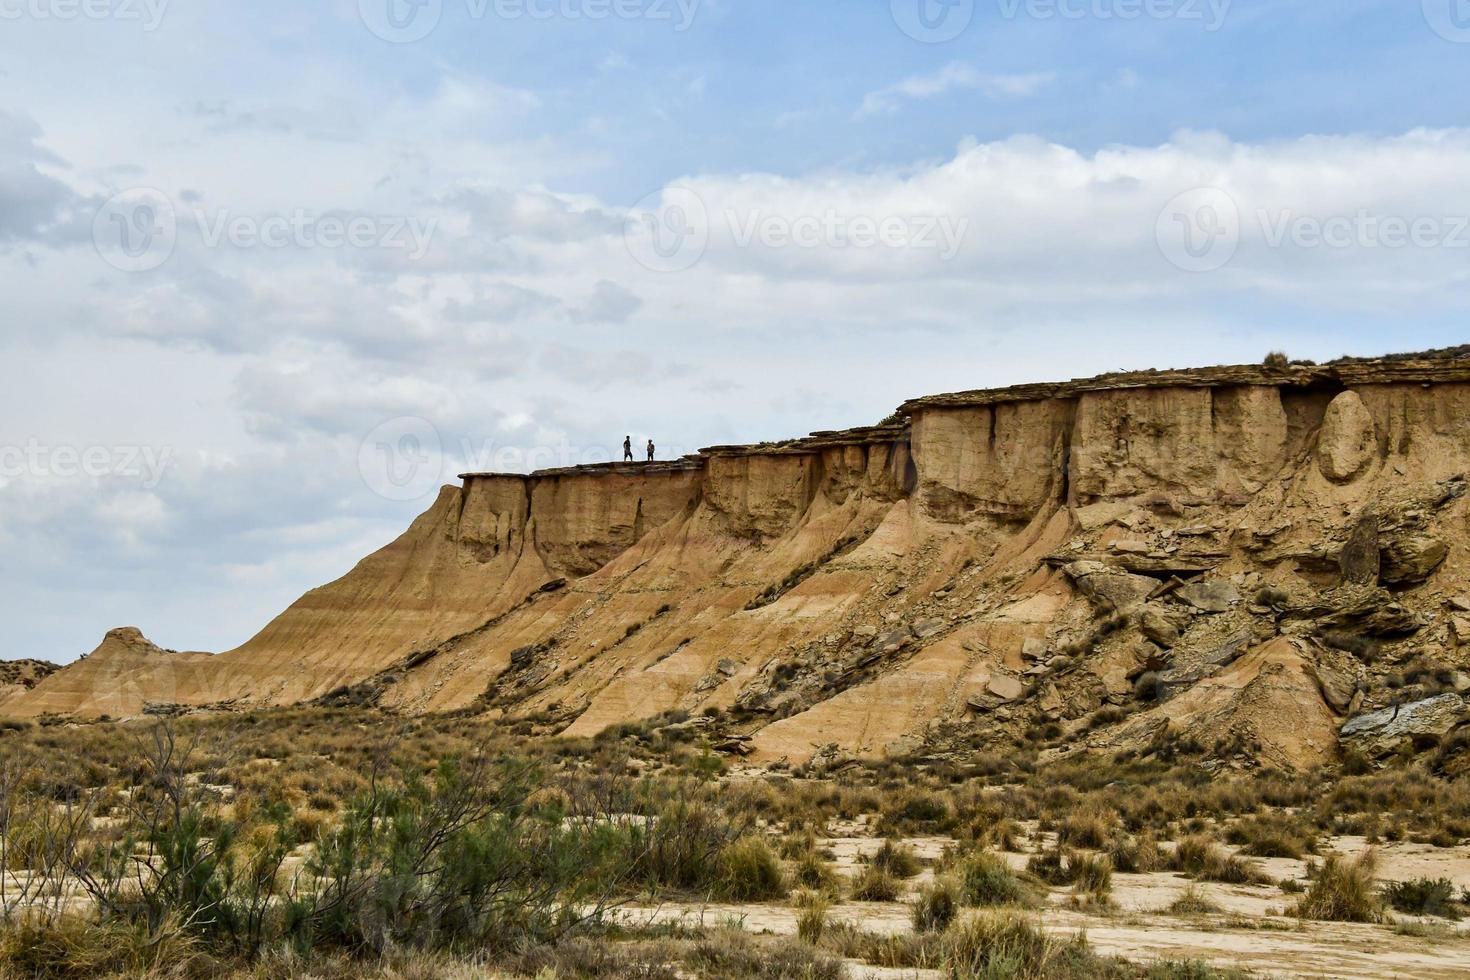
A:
{"points": [[1342, 891]]}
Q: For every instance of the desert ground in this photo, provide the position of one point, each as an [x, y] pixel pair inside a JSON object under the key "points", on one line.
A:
{"points": [[349, 842]]}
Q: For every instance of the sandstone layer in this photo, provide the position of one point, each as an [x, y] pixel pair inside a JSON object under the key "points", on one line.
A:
{"points": [[1245, 554]]}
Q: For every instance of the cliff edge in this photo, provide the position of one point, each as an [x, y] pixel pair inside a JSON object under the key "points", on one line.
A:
{"points": [[1249, 555]]}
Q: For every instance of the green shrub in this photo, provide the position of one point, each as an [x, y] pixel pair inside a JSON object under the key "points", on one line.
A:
{"points": [[1423, 896], [749, 871], [986, 879]]}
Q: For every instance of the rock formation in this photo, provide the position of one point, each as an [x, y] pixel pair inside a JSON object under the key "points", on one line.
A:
{"points": [[1241, 554]]}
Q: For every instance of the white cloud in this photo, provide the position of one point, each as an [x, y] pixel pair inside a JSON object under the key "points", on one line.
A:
{"points": [[956, 76]]}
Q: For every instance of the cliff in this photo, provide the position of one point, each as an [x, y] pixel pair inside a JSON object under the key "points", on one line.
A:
{"points": [[1239, 553]]}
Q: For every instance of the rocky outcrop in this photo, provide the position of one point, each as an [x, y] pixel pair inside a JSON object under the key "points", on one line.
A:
{"points": [[1420, 724], [985, 561]]}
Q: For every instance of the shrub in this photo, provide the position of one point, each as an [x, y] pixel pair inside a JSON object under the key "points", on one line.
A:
{"points": [[749, 871], [1423, 896], [1276, 361], [1271, 837], [1135, 855], [811, 870], [986, 879], [1006, 944], [1090, 830], [896, 859], [1092, 873], [876, 885], [1149, 687], [1192, 901], [1342, 891], [936, 905], [811, 920], [1202, 858], [731, 953]]}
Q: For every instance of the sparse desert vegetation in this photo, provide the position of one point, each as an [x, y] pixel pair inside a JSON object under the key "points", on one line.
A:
{"points": [[347, 842]]}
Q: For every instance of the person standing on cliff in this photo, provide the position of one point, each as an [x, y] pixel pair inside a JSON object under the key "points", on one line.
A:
{"points": [[650, 450], [627, 449]]}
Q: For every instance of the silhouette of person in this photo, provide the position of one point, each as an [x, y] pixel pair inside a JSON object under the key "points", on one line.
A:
{"points": [[627, 449], [650, 450]]}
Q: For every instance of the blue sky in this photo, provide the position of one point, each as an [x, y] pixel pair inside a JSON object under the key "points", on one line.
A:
{"points": [[858, 216]]}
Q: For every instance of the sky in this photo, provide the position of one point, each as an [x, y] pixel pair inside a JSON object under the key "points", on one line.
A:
{"points": [[271, 273]]}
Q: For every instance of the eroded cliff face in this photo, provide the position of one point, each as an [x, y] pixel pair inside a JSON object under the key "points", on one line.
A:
{"points": [[1208, 547]]}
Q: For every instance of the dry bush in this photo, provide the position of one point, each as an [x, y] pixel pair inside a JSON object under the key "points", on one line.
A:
{"points": [[876, 885], [937, 904], [1201, 857], [1007, 944], [1342, 891], [1193, 901]]}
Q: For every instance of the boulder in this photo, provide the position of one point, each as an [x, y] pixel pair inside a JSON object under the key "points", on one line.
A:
{"points": [[1349, 439], [926, 628], [1033, 648], [1005, 687], [1411, 558], [892, 641], [1108, 586], [1336, 679], [1159, 626], [1422, 724], [1229, 651], [1209, 597]]}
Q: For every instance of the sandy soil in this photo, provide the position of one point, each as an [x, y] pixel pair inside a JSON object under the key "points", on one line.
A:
{"points": [[1251, 933]]}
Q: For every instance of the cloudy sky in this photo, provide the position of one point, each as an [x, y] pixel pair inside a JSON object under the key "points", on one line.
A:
{"points": [[271, 272]]}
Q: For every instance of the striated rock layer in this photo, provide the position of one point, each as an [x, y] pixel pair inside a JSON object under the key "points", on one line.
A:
{"points": [[1218, 551]]}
